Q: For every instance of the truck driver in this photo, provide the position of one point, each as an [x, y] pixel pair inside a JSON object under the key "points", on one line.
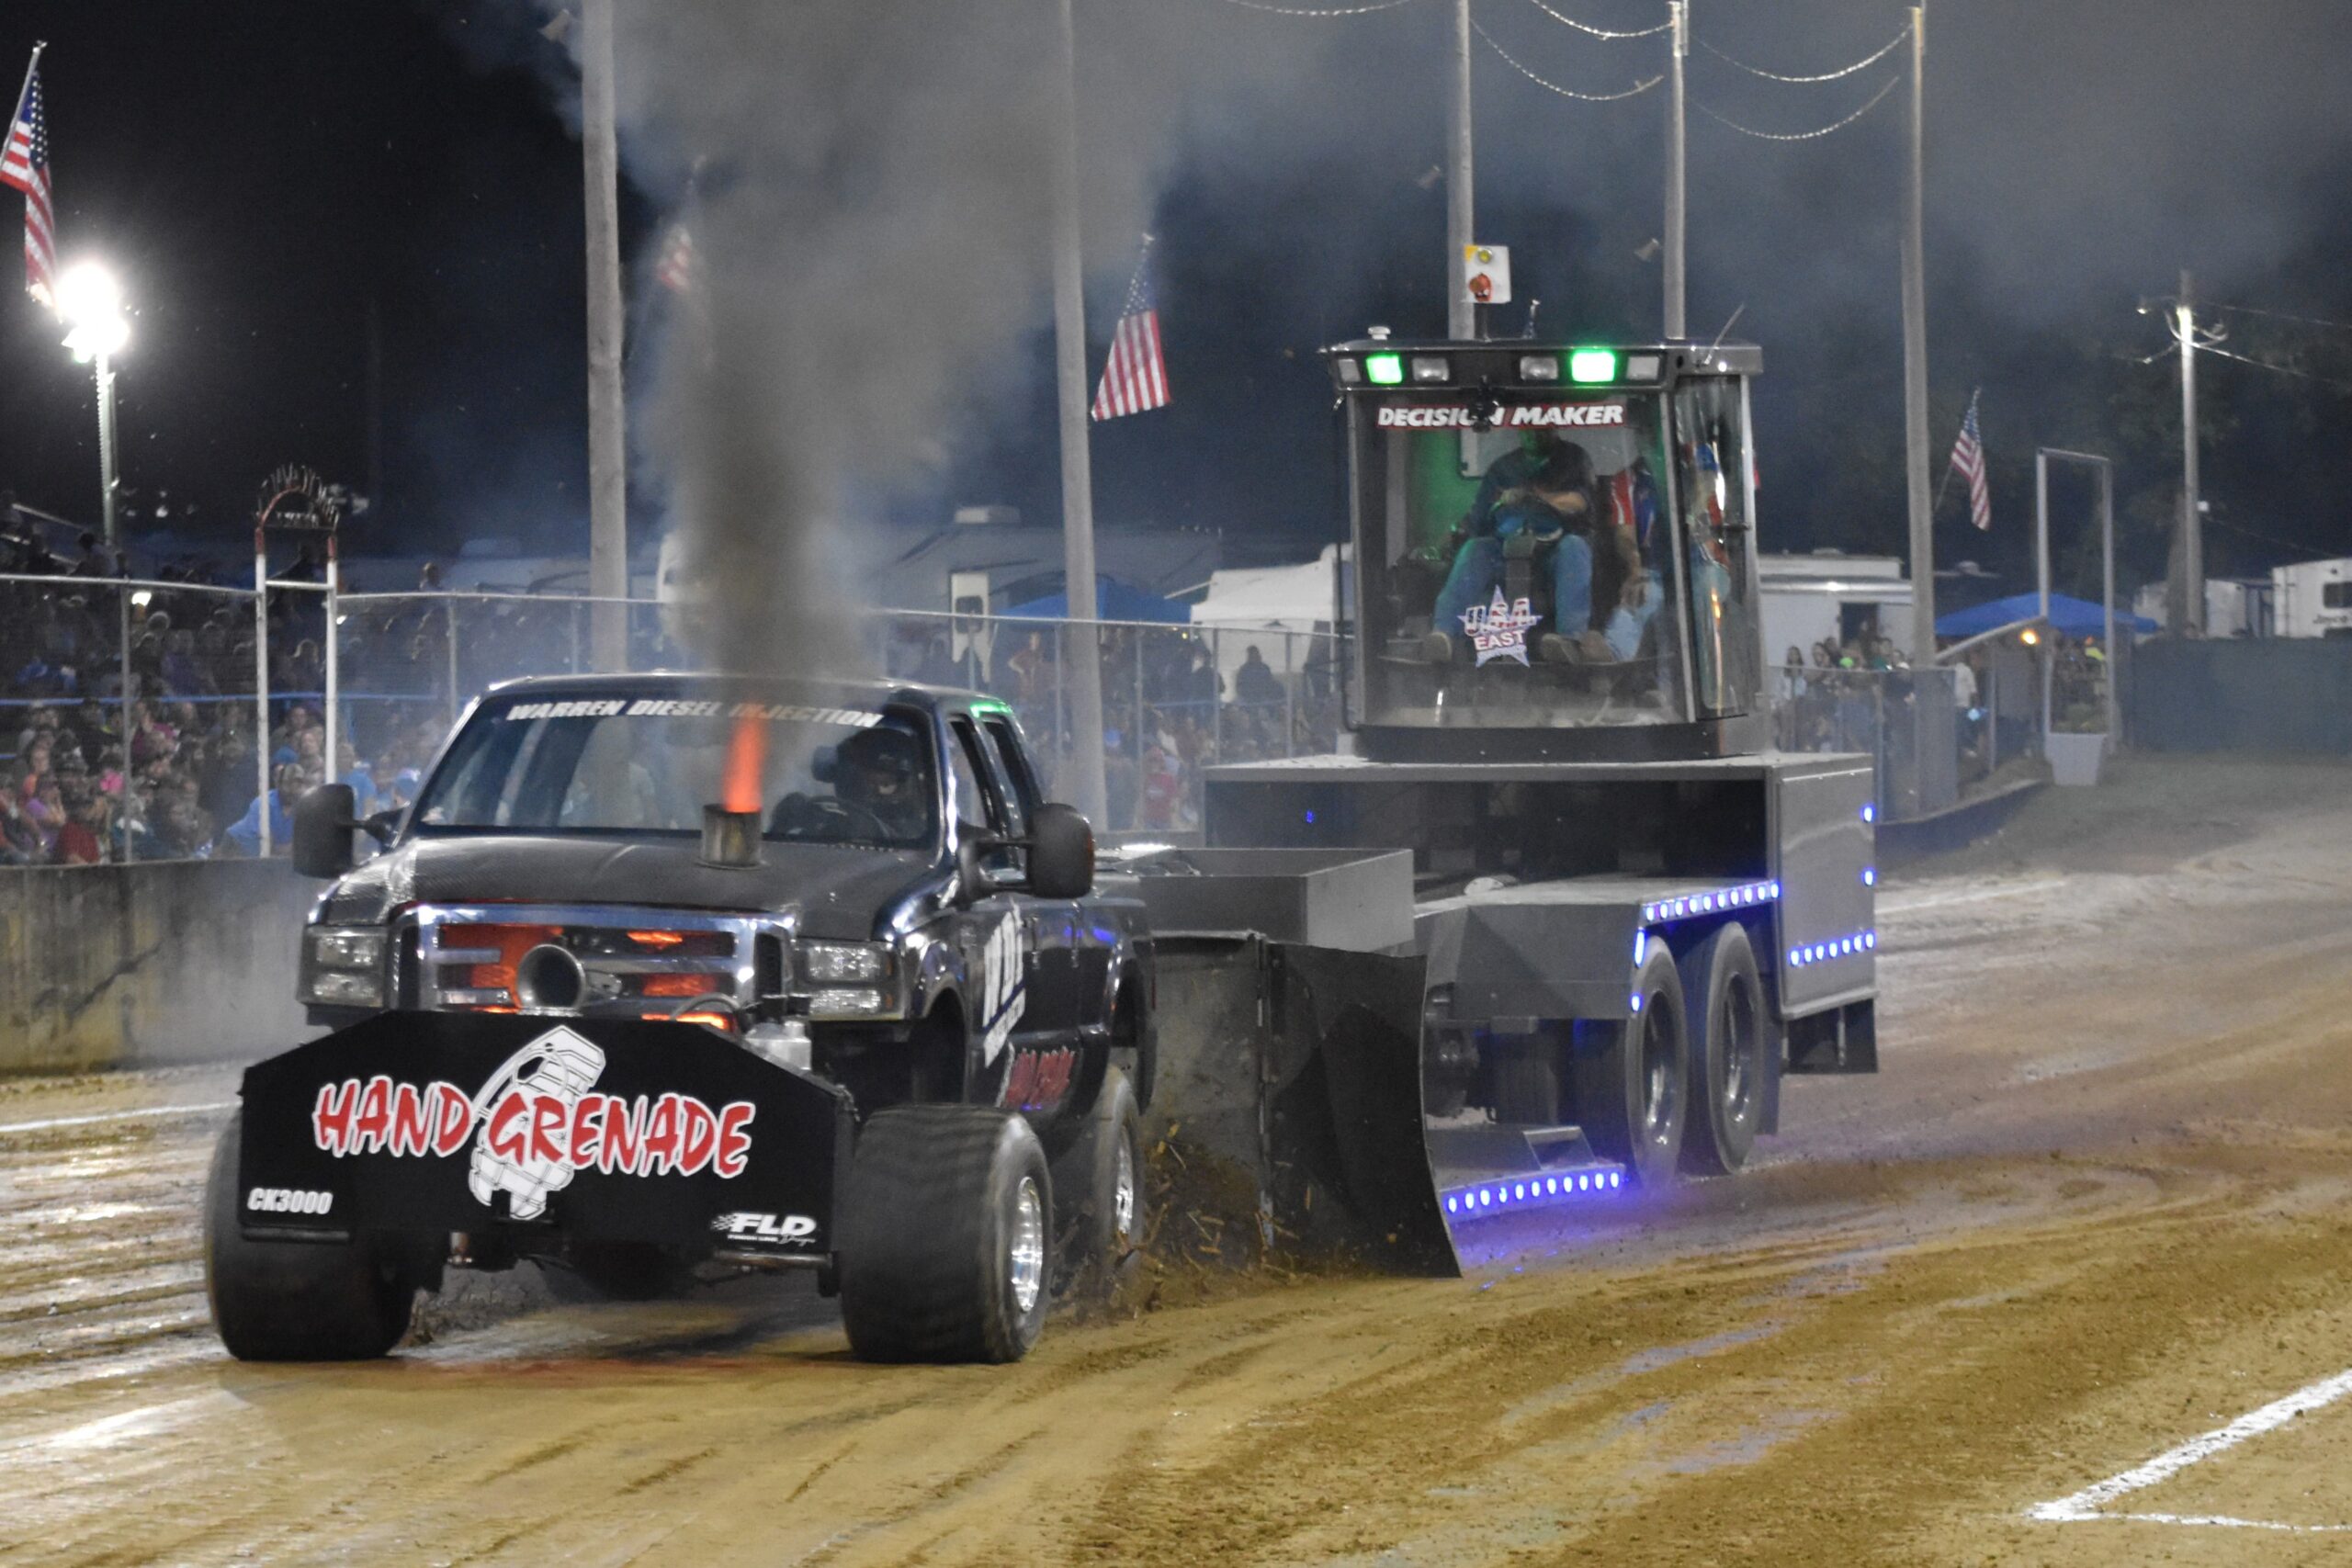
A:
{"points": [[1545, 491]]}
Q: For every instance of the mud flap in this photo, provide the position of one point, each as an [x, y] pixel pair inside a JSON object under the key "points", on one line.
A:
{"points": [[1298, 1068], [1353, 1115], [602, 1129]]}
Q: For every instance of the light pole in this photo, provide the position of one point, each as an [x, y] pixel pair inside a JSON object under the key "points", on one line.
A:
{"points": [[91, 301]]}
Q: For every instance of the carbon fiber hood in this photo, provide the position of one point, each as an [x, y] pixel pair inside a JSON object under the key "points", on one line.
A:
{"points": [[839, 890]]}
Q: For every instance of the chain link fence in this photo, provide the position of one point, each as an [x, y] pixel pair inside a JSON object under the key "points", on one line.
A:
{"points": [[1926, 743], [1177, 698], [164, 720], [1941, 734]]}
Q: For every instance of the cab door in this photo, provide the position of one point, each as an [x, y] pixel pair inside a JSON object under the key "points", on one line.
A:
{"points": [[1020, 1024], [1093, 940]]}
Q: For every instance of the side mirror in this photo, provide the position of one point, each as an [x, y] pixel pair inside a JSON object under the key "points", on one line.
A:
{"points": [[1062, 854], [322, 828], [971, 876]]}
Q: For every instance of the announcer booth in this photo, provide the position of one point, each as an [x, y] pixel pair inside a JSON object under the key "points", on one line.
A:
{"points": [[1557, 548]]}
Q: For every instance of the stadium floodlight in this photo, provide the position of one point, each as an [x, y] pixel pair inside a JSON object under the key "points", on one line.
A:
{"points": [[90, 298]]}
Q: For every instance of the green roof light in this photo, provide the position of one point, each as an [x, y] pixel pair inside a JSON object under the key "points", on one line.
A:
{"points": [[1385, 369], [1589, 365]]}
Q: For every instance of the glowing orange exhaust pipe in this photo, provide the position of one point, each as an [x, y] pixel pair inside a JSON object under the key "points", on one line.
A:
{"points": [[730, 830], [747, 755]]}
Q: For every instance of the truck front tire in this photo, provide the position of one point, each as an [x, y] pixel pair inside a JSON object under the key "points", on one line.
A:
{"points": [[1729, 1036], [946, 1236], [1632, 1083], [294, 1301]]}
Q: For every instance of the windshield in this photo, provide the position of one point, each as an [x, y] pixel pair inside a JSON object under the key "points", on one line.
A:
{"points": [[1522, 574], [651, 764]]}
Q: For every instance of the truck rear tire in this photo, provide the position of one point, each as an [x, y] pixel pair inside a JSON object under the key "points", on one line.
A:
{"points": [[947, 1241], [1633, 1082], [294, 1301], [1724, 998], [1099, 1189]]}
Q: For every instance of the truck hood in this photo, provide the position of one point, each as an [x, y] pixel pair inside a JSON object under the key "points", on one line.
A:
{"points": [[840, 890]]}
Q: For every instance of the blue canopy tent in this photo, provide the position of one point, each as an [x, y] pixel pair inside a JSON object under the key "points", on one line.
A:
{"points": [[1114, 601], [2069, 616]]}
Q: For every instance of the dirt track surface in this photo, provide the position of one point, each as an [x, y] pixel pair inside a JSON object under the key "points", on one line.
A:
{"points": [[2099, 1202]]}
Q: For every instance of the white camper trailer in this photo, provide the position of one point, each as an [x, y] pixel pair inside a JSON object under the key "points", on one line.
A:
{"points": [[1831, 594]]}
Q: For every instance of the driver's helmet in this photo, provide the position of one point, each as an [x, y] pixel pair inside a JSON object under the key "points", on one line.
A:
{"points": [[880, 769]]}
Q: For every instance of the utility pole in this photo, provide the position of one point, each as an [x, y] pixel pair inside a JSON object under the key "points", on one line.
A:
{"points": [[1081, 653], [1915, 358], [2192, 514], [1677, 192], [607, 471], [1461, 224]]}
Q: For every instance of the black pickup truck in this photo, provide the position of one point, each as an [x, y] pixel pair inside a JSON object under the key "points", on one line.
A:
{"points": [[664, 972]]}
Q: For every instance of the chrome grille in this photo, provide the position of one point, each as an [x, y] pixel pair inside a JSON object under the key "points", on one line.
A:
{"points": [[637, 961]]}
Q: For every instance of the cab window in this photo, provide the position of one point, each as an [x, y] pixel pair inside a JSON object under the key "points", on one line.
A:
{"points": [[1005, 816], [1011, 771], [974, 804]]}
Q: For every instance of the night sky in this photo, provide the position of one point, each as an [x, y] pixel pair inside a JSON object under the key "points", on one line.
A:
{"points": [[267, 174]]}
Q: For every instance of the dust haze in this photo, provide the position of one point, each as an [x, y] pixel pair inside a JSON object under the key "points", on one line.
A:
{"points": [[872, 214]]}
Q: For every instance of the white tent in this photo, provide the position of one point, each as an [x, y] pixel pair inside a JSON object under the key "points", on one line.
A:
{"points": [[1269, 601]]}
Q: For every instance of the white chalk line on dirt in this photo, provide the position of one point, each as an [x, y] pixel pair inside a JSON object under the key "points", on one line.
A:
{"points": [[2086, 1504], [94, 1119]]}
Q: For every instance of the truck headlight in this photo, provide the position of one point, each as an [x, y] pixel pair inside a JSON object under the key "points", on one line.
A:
{"points": [[342, 988], [841, 963], [843, 1001], [347, 947]]}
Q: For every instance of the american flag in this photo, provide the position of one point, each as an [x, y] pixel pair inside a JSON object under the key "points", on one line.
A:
{"points": [[24, 164], [1135, 377], [1968, 457]]}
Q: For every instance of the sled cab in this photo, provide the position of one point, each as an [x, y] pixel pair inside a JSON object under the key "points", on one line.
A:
{"points": [[1554, 551]]}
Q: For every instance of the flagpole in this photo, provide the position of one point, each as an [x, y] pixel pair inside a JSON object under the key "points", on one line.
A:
{"points": [[30, 66], [1082, 661], [1945, 483]]}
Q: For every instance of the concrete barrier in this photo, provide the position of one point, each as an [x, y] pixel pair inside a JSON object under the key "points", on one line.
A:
{"points": [[138, 965]]}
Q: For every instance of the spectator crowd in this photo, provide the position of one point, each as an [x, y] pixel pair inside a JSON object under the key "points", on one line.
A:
{"points": [[129, 725], [91, 773]]}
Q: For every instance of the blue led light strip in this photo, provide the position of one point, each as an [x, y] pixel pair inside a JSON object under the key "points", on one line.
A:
{"points": [[1746, 895], [1481, 1198], [1836, 947]]}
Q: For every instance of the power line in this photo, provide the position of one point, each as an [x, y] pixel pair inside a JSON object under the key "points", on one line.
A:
{"points": [[1799, 135], [1512, 61], [2300, 547], [1567, 21], [1862, 64], [1364, 10], [2281, 316], [2281, 369]]}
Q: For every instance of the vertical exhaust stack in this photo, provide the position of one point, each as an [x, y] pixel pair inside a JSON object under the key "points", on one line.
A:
{"points": [[730, 830]]}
